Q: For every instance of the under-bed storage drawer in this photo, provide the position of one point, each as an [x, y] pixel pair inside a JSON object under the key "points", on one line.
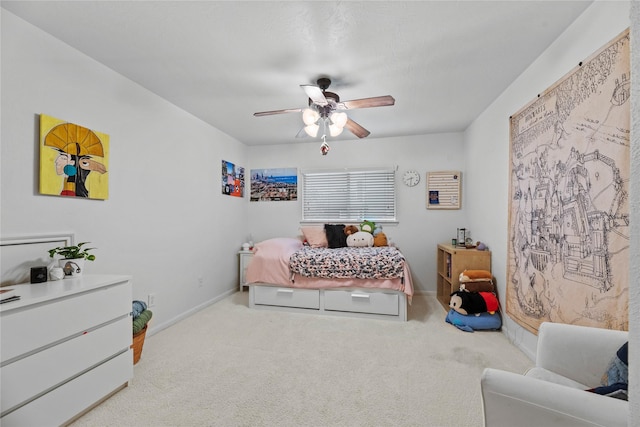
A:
{"points": [[287, 297], [361, 302]]}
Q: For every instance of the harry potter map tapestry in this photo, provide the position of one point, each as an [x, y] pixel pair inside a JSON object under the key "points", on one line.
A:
{"points": [[568, 248]]}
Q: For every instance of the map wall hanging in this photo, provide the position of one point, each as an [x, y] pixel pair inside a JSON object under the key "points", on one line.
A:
{"points": [[232, 179], [568, 246], [74, 160]]}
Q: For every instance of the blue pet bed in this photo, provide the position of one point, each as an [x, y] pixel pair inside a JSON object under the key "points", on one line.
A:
{"points": [[473, 322]]}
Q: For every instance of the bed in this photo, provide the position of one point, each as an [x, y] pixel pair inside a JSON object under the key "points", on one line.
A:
{"points": [[285, 274]]}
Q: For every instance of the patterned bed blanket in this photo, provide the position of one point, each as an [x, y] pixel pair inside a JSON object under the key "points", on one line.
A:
{"points": [[382, 262]]}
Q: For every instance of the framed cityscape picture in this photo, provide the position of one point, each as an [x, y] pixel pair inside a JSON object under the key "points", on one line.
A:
{"points": [[279, 184]]}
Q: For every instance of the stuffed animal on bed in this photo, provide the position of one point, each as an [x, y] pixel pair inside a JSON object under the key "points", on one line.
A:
{"points": [[465, 302], [368, 226], [361, 239], [380, 239], [350, 229]]}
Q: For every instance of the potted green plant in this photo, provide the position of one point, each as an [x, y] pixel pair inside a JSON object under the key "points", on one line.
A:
{"points": [[73, 258]]}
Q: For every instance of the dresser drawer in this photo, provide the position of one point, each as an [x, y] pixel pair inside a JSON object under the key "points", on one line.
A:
{"points": [[287, 297], [361, 302], [62, 404], [55, 365], [41, 325]]}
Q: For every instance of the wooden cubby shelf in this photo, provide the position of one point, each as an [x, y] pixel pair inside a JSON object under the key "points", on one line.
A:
{"points": [[453, 260]]}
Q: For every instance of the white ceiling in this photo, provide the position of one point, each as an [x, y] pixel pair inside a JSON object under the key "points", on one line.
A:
{"points": [[444, 62]]}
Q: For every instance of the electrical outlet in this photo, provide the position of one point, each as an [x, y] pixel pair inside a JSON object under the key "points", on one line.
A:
{"points": [[200, 281], [151, 300]]}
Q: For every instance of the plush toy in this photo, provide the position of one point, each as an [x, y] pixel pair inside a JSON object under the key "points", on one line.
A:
{"points": [[475, 276], [465, 302], [361, 239], [380, 239], [368, 226], [471, 322], [478, 286], [476, 281], [350, 229]]}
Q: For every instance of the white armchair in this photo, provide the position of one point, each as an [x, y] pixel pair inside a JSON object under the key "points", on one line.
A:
{"points": [[570, 359]]}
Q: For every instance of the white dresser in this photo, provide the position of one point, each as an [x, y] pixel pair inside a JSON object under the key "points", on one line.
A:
{"points": [[65, 347]]}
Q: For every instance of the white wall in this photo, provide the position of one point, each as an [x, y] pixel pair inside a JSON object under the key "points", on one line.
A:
{"points": [[487, 139], [166, 222], [634, 271], [418, 230]]}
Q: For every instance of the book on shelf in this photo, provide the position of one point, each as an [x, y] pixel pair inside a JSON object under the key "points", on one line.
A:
{"points": [[8, 294]]}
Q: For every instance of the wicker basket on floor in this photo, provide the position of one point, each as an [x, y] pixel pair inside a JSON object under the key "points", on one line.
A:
{"points": [[138, 342]]}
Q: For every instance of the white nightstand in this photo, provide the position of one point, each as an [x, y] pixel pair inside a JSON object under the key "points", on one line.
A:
{"points": [[245, 259]]}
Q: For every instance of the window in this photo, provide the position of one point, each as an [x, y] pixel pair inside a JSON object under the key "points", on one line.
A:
{"points": [[349, 195]]}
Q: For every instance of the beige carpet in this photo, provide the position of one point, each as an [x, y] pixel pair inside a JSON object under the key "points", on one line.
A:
{"points": [[228, 365]]}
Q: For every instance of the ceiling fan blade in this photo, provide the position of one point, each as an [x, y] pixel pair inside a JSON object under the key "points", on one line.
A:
{"points": [[376, 101], [270, 113], [315, 94], [356, 129]]}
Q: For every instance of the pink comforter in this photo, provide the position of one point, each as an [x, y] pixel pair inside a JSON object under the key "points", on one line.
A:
{"points": [[270, 264]]}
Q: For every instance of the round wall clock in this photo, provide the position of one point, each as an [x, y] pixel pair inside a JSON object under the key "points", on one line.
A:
{"points": [[411, 178]]}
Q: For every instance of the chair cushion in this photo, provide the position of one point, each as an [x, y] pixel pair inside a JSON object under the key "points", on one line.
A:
{"points": [[546, 375]]}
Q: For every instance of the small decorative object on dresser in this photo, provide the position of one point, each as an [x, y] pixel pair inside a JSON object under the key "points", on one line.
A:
{"points": [[56, 273], [73, 258], [38, 274]]}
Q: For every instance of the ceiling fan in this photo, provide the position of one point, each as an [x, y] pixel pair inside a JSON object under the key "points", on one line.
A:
{"points": [[325, 109]]}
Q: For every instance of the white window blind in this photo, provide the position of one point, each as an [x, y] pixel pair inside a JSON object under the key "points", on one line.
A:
{"points": [[349, 195]]}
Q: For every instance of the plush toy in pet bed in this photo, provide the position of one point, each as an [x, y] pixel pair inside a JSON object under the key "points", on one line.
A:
{"points": [[475, 276], [465, 302], [476, 280], [482, 286], [474, 322]]}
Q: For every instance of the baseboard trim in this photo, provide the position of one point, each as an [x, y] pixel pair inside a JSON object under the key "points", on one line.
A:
{"points": [[157, 328]]}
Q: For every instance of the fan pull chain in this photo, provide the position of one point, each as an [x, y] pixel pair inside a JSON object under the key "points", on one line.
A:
{"points": [[324, 147]]}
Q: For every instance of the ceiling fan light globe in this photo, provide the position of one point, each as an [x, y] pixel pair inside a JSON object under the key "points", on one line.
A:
{"points": [[312, 130], [310, 116], [334, 130], [339, 119]]}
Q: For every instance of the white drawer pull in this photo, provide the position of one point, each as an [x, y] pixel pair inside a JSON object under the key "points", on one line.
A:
{"points": [[364, 296], [285, 291]]}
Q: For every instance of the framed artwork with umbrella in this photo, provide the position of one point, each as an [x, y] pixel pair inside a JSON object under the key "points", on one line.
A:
{"points": [[74, 160]]}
